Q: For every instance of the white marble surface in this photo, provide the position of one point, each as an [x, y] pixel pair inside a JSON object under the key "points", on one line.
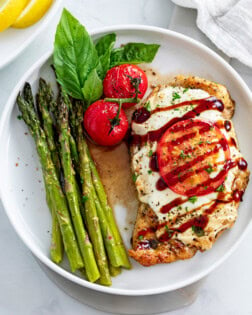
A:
{"points": [[24, 288]]}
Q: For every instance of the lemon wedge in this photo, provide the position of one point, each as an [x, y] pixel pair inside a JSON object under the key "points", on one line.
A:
{"points": [[9, 11], [33, 12]]}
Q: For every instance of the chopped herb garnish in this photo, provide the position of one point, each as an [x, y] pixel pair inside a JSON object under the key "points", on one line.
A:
{"points": [[193, 199], [220, 188], [209, 170], [134, 177], [208, 142], [147, 106], [150, 153], [140, 237], [149, 171], [198, 230], [200, 142], [182, 154], [175, 96], [185, 90], [176, 108], [168, 231]]}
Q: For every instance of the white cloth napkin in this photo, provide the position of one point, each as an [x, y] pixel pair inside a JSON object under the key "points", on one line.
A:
{"points": [[228, 23]]}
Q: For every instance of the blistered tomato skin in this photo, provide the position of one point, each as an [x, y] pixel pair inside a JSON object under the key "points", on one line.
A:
{"points": [[117, 83], [97, 122]]}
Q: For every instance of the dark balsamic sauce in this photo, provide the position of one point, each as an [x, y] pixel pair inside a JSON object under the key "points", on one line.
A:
{"points": [[242, 164], [144, 244], [237, 195], [200, 222], [232, 142], [154, 163], [161, 184], [175, 203], [140, 116], [227, 125]]}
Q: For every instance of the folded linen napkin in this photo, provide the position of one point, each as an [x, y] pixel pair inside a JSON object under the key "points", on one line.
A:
{"points": [[228, 24]]}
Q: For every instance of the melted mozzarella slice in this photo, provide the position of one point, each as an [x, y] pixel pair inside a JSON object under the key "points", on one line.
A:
{"points": [[146, 180]]}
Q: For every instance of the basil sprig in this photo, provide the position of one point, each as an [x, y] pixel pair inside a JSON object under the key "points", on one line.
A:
{"points": [[81, 65], [134, 53]]}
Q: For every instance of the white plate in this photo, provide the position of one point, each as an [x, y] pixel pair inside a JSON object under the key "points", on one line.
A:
{"points": [[13, 41], [23, 194]]}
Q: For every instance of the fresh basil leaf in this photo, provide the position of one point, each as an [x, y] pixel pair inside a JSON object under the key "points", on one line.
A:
{"points": [[104, 64], [104, 43], [93, 88], [104, 47], [74, 54], [134, 53]]}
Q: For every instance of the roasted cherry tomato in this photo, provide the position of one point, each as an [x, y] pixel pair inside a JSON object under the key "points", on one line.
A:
{"points": [[125, 81], [103, 125], [193, 157]]}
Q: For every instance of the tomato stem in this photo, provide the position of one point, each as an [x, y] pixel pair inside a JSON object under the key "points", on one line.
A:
{"points": [[135, 82], [116, 120], [122, 100]]}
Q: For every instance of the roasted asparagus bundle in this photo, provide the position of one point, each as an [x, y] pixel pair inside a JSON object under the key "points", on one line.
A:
{"points": [[82, 221]]}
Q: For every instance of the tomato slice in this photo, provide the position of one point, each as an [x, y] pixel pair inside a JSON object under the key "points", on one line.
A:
{"points": [[191, 157]]}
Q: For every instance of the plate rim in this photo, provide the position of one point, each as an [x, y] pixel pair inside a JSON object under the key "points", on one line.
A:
{"points": [[46, 260], [48, 17]]}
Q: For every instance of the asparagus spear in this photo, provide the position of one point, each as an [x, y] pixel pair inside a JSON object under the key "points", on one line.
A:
{"points": [[72, 192], [58, 201], [72, 125], [114, 271], [107, 234], [111, 236], [90, 212], [45, 97], [109, 213], [56, 248], [74, 153], [108, 237], [76, 120]]}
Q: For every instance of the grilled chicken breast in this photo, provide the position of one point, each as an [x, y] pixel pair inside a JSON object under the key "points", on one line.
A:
{"points": [[189, 173]]}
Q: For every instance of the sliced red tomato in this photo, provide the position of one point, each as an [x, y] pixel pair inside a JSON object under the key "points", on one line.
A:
{"points": [[101, 124], [121, 81], [191, 156]]}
